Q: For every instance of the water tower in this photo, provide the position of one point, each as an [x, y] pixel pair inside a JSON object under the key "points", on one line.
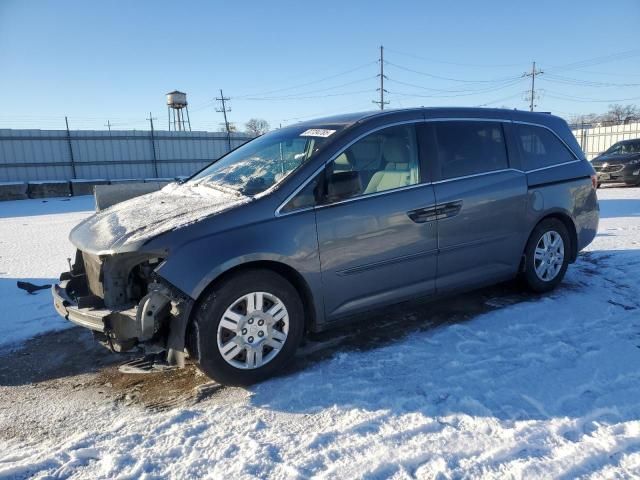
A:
{"points": [[176, 109]]}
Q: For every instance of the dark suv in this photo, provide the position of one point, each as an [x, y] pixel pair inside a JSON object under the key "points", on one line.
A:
{"points": [[620, 163], [316, 223]]}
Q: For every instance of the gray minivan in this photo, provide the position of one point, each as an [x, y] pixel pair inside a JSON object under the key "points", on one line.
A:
{"points": [[312, 224]]}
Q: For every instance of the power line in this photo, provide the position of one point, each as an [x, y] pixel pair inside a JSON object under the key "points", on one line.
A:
{"points": [[345, 108], [597, 60], [586, 83], [451, 79], [468, 94], [311, 92], [614, 74], [284, 98], [432, 60], [320, 80], [562, 96], [442, 90], [499, 100]]}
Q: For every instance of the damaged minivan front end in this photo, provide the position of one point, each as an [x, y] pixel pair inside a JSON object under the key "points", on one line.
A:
{"points": [[124, 303], [112, 287]]}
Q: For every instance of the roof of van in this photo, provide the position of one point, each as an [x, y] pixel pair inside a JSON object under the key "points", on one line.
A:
{"points": [[348, 119]]}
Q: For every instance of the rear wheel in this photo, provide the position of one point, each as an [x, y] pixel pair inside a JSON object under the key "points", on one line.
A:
{"points": [[248, 327], [547, 255]]}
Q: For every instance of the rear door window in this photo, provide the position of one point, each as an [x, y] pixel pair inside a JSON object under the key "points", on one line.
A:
{"points": [[470, 147], [540, 147]]}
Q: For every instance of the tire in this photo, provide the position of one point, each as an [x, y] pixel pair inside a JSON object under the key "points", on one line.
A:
{"points": [[536, 276], [223, 324]]}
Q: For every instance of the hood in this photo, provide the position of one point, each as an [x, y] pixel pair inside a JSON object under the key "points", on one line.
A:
{"points": [[615, 158], [127, 225]]}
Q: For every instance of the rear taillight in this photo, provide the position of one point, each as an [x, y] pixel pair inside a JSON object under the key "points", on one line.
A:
{"points": [[594, 181]]}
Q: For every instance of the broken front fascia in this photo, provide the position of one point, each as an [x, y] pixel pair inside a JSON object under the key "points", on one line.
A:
{"points": [[125, 302]]}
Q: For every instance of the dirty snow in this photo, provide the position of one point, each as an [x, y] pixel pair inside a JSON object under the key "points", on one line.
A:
{"points": [[146, 216], [547, 387]]}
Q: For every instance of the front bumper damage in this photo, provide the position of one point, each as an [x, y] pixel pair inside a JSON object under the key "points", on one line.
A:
{"points": [[98, 294]]}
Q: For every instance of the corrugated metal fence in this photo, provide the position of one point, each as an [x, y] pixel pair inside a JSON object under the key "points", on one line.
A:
{"points": [[595, 140], [36, 155], [32, 155]]}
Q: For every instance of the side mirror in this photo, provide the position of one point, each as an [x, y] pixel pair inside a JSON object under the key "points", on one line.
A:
{"points": [[342, 185]]}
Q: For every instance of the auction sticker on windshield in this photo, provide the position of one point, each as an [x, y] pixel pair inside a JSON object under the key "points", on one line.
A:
{"points": [[317, 132]]}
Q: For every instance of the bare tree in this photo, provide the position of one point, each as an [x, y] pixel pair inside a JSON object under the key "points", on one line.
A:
{"points": [[616, 115], [256, 126], [621, 114], [585, 119]]}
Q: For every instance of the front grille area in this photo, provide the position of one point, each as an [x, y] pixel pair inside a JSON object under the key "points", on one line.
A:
{"points": [[608, 168], [92, 268]]}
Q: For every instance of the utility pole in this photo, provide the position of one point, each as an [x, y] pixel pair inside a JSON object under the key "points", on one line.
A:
{"points": [[532, 93], [382, 76], [153, 145], [222, 99], [73, 162], [108, 125]]}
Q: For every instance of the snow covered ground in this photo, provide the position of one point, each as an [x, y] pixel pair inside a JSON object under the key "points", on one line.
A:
{"points": [[34, 248], [545, 387]]}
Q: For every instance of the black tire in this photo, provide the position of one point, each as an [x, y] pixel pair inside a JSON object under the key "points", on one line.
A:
{"points": [[209, 313], [530, 277]]}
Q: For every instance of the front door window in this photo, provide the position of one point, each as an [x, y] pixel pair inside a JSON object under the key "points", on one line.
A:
{"points": [[384, 160]]}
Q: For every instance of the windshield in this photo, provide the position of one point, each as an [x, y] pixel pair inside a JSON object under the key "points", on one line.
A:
{"points": [[624, 147], [263, 162]]}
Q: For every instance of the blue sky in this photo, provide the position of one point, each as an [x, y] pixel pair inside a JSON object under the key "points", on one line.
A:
{"points": [[290, 60]]}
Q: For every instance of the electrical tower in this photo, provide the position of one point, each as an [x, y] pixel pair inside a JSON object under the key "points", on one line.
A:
{"points": [[224, 109], [382, 76], [532, 92]]}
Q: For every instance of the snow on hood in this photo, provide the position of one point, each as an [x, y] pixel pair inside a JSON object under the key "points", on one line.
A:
{"points": [[124, 226]]}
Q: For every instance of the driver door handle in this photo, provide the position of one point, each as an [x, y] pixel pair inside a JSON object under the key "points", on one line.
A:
{"points": [[429, 214], [423, 215]]}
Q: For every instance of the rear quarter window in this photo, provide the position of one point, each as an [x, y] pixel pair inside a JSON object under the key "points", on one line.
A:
{"points": [[540, 147]]}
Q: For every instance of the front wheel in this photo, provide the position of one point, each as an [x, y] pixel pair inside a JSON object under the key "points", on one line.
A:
{"points": [[248, 327], [547, 255]]}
